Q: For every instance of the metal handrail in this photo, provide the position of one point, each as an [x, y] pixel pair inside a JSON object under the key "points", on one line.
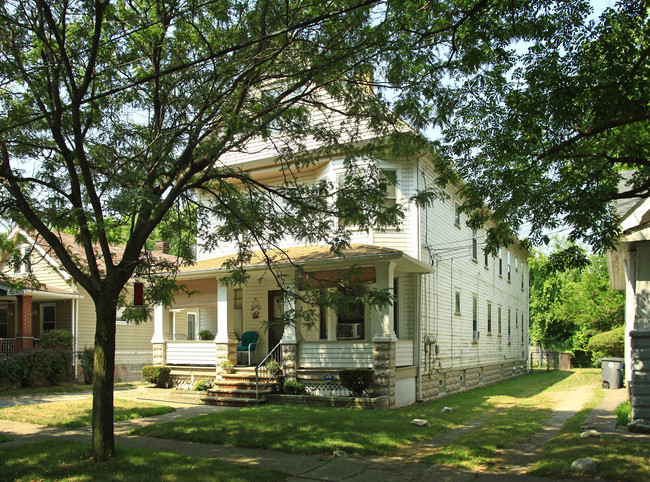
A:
{"points": [[268, 367]]}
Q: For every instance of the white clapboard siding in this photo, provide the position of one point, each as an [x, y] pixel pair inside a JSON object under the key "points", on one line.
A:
{"points": [[191, 353], [337, 354], [404, 353]]}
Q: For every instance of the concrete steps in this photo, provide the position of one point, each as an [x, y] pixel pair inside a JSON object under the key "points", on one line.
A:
{"points": [[237, 389]]}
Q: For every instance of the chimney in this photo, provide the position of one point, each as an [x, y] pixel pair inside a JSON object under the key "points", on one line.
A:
{"points": [[162, 247]]}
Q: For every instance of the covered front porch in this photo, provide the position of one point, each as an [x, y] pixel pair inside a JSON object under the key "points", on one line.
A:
{"points": [[381, 339]]}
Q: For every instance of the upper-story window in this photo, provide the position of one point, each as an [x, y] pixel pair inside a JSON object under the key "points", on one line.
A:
{"points": [[489, 317], [508, 265], [475, 317], [474, 244], [500, 262], [523, 275], [457, 215], [485, 253], [22, 260], [457, 303], [391, 192]]}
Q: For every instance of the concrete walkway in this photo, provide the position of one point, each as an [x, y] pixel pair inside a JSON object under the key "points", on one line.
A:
{"points": [[300, 467]]}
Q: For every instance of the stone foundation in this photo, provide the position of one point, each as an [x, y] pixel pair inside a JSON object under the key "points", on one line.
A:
{"points": [[384, 371], [289, 360], [159, 354]]}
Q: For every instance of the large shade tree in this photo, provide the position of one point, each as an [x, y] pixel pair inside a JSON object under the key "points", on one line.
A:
{"points": [[114, 112], [543, 132]]}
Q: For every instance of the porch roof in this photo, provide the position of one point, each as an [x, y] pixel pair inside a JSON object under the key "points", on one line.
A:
{"points": [[42, 293], [311, 255]]}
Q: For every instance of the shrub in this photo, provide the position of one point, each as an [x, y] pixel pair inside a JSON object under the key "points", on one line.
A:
{"points": [[160, 376], [294, 388], [202, 385], [608, 344], [623, 413], [52, 365], [206, 335], [22, 368], [56, 339], [86, 358], [357, 380]]}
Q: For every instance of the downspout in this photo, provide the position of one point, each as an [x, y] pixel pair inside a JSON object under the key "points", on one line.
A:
{"points": [[418, 294]]}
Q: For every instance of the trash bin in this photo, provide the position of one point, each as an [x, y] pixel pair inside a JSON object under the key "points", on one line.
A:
{"points": [[612, 372]]}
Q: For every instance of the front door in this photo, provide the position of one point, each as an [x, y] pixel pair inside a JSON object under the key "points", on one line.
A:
{"points": [[276, 321]]}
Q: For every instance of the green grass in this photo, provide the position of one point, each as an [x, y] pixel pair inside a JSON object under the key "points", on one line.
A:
{"points": [[509, 426], [70, 460], [4, 438], [623, 413], [617, 458], [78, 413], [68, 387], [363, 432]]}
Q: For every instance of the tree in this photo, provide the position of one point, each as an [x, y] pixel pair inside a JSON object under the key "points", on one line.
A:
{"points": [[569, 304], [558, 118], [115, 113]]}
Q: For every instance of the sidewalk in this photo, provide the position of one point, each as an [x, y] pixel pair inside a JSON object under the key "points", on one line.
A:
{"points": [[299, 467]]}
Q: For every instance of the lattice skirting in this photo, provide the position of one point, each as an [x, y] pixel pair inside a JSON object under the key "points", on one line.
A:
{"points": [[325, 389]]}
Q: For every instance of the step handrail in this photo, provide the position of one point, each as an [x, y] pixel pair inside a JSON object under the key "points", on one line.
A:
{"points": [[268, 368]]}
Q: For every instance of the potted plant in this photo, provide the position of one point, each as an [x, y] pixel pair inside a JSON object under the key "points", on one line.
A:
{"points": [[206, 335], [226, 366]]}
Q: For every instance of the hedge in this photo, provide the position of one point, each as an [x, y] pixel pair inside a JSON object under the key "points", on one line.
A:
{"points": [[160, 376], [608, 344]]}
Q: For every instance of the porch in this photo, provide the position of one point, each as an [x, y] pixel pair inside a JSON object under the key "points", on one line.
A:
{"points": [[381, 339]]}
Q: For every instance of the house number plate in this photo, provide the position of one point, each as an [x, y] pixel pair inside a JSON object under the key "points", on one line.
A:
{"points": [[328, 377]]}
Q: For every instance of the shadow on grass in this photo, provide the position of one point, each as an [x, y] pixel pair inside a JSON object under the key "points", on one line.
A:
{"points": [[70, 460]]}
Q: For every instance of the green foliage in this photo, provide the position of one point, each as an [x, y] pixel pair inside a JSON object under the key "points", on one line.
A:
{"points": [[569, 306], [86, 358], [294, 388], [206, 335], [608, 344], [543, 132], [158, 375], [202, 385], [623, 413], [29, 368], [59, 339], [356, 380]]}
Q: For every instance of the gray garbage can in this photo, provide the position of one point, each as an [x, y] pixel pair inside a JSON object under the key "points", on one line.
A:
{"points": [[612, 372]]}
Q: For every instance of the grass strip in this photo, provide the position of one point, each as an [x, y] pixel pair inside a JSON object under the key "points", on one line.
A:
{"points": [[617, 458], [364, 432], [70, 460], [5, 438], [67, 387], [78, 413]]}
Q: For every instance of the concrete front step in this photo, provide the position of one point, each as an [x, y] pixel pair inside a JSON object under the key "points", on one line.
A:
{"points": [[237, 393]]}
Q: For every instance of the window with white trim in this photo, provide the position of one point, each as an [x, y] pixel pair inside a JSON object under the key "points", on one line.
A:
{"points": [[457, 215], [474, 244], [489, 317], [457, 303], [48, 316], [22, 260]]}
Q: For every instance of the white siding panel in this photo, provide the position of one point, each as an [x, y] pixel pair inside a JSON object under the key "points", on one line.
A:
{"points": [[191, 353], [404, 353], [339, 354]]}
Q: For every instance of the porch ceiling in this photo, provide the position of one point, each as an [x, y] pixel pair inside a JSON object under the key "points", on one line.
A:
{"points": [[311, 257]]}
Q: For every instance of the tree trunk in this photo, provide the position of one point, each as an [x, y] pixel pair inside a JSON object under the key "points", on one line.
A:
{"points": [[104, 372]]}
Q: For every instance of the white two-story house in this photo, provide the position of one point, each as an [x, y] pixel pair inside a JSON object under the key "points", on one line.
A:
{"points": [[460, 318]]}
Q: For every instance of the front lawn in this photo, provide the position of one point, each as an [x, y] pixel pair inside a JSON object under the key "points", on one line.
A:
{"points": [[66, 387], [617, 458], [78, 413], [364, 432], [70, 460]]}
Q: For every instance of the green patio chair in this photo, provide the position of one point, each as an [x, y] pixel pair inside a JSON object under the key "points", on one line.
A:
{"points": [[248, 343]]}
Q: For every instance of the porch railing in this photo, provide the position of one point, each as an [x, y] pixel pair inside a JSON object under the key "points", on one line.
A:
{"points": [[191, 353], [7, 347], [336, 354], [268, 369]]}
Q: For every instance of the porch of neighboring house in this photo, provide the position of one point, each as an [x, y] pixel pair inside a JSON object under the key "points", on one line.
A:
{"points": [[26, 314], [382, 340]]}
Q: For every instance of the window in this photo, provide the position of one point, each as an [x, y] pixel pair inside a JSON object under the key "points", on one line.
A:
{"points": [[485, 253], [4, 323], [391, 189], [191, 326], [119, 317], [396, 307], [500, 262], [457, 215], [523, 275], [22, 261], [489, 317], [463, 375], [509, 326], [499, 320], [350, 318], [516, 318], [508, 265], [522, 327], [48, 317], [457, 305], [474, 244], [475, 316], [238, 299]]}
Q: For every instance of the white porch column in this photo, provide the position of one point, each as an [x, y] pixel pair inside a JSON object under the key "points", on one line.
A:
{"points": [[158, 339], [225, 341], [222, 314], [158, 335], [289, 335], [382, 317]]}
